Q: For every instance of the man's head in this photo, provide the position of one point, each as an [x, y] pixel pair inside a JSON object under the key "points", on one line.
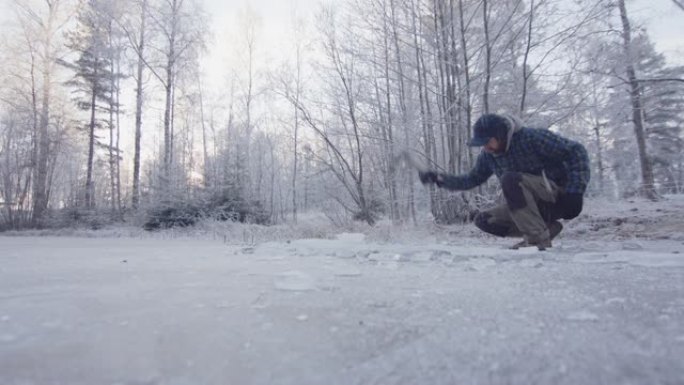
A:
{"points": [[490, 132]]}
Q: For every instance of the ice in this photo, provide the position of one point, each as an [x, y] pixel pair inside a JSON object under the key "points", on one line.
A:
{"points": [[631, 246], [304, 313], [583, 315], [655, 260], [294, 281], [7, 338], [532, 262], [479, 264], [351, 237], [645, 259], [347, 272], [599, 307], [616, 300]]}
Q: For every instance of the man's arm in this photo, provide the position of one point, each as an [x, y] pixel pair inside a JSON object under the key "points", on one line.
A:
{"points": [[478, 175]]}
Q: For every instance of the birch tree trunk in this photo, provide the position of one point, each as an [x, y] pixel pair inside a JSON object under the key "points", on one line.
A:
{"points": [[296, 133], [424, 99], [139, 104], [169, 84], [117, 102], [243, 155], [205, 152], [113, 91], [467, 104], [440, 63], [297, 94], [599, 154], [39, 194], [525, 73], [389, 152], [453, 90], [168, 135], [89, 186], [488, 57], [410, 201]]}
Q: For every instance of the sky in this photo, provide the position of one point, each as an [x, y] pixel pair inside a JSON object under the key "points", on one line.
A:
{"points": [[663, 20], [275, 19]]}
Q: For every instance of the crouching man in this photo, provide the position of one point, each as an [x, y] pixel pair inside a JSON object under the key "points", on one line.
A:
{"points": [[542, 174]]}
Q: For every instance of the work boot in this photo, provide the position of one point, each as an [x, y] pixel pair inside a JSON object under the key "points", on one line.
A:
{"points": [[541, 244], [554, 227]]}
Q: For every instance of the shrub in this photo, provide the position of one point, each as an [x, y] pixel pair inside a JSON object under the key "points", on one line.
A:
{"points": [[179, 215], [224, 206]]}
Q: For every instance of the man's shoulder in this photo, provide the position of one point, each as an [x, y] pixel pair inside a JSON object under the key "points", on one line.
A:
{"points": [[528, 134], [534, 131]]}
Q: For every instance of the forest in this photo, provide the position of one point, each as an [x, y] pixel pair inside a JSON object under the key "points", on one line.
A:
{"points": [[108, 113]]}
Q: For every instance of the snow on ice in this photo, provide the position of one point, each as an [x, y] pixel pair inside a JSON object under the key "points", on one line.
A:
{"points": [[604, 306]]}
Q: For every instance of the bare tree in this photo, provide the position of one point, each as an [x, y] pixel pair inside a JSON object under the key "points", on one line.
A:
{"points": [[250, 28], [29, 110], [16, 154], [139, 48], [42, 21], [403, 101], [526, 56], [299, 62], [180, 26], [467, 87], [648, 182], [426, 117], [488, 56], [343, 135], [115, 45], [40, 198], [387, 121], [207, 175]]}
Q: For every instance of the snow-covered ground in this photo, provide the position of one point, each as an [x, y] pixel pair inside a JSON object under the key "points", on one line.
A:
{"points": [[604, 306]]}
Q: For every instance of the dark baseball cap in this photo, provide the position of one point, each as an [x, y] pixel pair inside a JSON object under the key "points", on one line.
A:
{"points": [[486, 127]]}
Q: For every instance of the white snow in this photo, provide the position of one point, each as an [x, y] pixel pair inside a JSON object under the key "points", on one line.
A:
{"points": [[439, 307]]}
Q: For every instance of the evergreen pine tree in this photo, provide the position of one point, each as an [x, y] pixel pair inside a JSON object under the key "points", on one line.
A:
{"points": [[91, 81]]}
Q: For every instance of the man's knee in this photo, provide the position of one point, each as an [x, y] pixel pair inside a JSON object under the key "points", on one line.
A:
{"points": [[484, 223], [512, 190]]}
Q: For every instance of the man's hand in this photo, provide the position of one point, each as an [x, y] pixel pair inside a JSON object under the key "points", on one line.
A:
{"points": [[430, 177], [570, 204]]}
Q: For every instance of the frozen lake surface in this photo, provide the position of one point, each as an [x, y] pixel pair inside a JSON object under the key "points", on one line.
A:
{"points": [[342, 311]]}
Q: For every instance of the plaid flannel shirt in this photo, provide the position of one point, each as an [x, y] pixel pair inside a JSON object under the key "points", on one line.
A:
{"points": [[531, 151]]}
